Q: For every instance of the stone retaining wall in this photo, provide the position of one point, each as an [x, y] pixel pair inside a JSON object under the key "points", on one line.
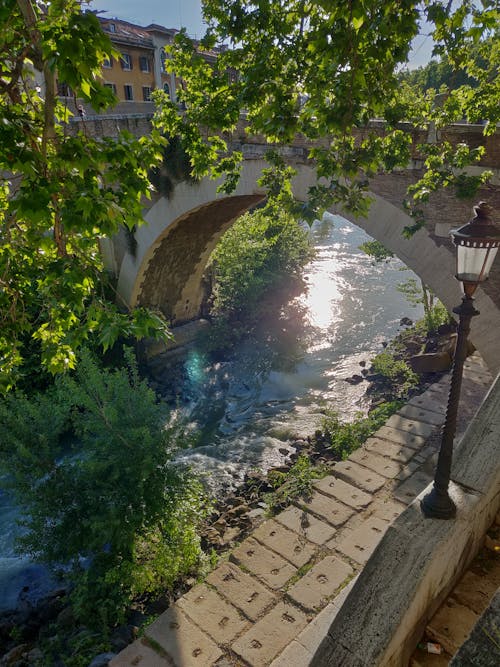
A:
{"points": [[419, 560]]}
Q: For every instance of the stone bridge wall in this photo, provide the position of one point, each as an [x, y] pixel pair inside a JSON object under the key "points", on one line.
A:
{"points": [[165, 268]]}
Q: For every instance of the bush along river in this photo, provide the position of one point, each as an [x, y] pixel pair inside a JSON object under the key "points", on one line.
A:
{"points": [[246, 411]]}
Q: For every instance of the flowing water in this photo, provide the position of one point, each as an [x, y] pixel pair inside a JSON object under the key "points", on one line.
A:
{"points": [[250, 409]]}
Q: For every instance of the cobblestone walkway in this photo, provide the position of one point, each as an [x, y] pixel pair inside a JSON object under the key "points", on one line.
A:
{"points": [[272, 602]]}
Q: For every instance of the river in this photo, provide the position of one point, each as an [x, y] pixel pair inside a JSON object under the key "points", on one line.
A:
{"points": [[248, 410]]}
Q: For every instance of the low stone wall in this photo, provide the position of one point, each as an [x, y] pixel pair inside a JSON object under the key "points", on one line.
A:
{"points": [[419, 560]]}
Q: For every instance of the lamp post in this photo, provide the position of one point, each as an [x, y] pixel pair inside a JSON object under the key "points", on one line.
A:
{"points": [[477, 243]]}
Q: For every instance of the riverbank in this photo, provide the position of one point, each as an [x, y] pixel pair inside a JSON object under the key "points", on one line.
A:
{"points": [[233, 518]]}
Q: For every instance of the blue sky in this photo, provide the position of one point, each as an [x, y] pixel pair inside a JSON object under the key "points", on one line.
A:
{"points": [[170, 13], [187, 13]]}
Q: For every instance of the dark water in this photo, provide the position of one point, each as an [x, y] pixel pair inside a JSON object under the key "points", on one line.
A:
{"points": [[276, 388]]}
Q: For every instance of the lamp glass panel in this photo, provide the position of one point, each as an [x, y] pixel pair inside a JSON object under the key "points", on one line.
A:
{"points": [[474, 264]]}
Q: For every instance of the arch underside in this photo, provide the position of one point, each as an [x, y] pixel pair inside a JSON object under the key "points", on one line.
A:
{"points": [[169, 273]]}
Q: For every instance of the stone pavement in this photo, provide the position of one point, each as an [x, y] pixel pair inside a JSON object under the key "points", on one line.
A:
{"points": [[273, 601]]}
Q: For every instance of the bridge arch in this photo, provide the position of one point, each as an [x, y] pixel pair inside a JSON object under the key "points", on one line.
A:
{"points": [[173, 248]]}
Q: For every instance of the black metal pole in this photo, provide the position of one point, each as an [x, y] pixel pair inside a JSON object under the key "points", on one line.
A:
{"points": [[437, 504]]}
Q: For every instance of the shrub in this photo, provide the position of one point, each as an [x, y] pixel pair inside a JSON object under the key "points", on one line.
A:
{"points": [[295, 483], [345, 437], [396, 372], [109, 504], [263, 250]]}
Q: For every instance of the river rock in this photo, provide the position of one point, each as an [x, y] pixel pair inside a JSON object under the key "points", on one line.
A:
{"points": [[102, 660], [122, 637], [405, 322], [431, 362], [355, 379]]}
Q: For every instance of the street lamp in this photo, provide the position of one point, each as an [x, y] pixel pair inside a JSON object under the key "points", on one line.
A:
{"points": [[477, 244]]}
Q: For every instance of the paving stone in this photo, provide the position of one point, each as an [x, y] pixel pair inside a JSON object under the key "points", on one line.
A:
{"points": [[412, 426], [394, 451], [474, 592], [346, 493], [306, 524], [451, 625], [274, 570], [429, 401], [314, 633], [426, 452], [329, 509], [416, 413], [269, 636], [382, 465], [288, 544], [294, 655], [387, 509], [408, 469], [241, 589], [320, 583], [410, 488], [361, 542], [396, 436], [140, 654], [183, 642], [217, 617], [359, 476]]}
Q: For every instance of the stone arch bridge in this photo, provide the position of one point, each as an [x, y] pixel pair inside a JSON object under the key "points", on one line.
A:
{"points": [[164, 265]]}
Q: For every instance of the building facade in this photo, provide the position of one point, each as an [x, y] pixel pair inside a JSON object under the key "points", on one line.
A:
{"points": [[140, 69]]}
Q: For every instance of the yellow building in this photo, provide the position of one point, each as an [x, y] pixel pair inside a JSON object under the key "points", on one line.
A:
{"points": [[140, 70]]}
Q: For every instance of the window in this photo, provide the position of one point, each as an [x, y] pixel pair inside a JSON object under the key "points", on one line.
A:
{"points": [[112, 27], [128, 91], [63, 90], [166, 89], [107, 63], [146, 93], [112, 86], [144, 63], [163, 57], [126, 61]]}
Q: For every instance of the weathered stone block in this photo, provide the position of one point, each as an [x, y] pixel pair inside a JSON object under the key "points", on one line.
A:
{"points": [[346, 493], [269, 636], [359, 476], [288, 544], [274, 570], [394, 451], [141, 654], [382, 465], [421, 414], [217, 617], [242, 590], [329, 509], [410, 488], [182, 641], [412, 426], [396, 436], [360, 543], [451, 625], [320, 583], [306, 524]]}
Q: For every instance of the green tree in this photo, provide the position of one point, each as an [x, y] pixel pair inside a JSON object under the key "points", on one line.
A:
{"points": [[110, 495], [60, 191], [263, 252], [323, 70]]}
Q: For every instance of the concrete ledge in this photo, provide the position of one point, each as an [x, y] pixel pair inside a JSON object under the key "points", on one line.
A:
{"points": [[419, 560]]}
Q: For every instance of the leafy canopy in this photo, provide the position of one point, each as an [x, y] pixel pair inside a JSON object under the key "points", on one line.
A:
{"points": [[61, 190], [324, 69]]}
